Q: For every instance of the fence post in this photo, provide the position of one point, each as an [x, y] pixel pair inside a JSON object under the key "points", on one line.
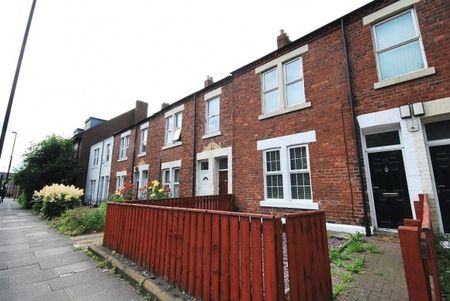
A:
{"points": [[418, 286]]}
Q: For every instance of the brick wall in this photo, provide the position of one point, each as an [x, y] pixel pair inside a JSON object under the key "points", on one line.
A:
{"points": [[333, 156]]}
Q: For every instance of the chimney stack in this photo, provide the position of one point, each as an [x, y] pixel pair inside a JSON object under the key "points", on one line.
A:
{"points": [[209, 81], [164, 104], [282, 39]]}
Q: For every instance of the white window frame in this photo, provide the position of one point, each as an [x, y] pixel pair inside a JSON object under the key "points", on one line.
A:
{"points": [[417, 37], [120, 179], [279, 65], [299, 171], [284, 144], [272, 173], [208, 116], [383, 15], [107, 152], [172, 127], [96, 156], [143, 141], [170, 167], [124, 144]]}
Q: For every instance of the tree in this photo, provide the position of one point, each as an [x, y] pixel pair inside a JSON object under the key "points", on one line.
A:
{"points": [[53, 160]]}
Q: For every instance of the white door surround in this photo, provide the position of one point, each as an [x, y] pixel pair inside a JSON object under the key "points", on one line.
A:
{"points": [[208, 179], [414, 148]]}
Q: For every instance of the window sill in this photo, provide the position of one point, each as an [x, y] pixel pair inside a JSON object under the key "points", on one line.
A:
{"points": [[404, 77], [142, 154], [123, 159], [175, 144], [285, 110], [212, 134], [297, 204]]}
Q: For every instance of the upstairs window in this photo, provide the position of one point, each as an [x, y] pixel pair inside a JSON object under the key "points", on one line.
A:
{"points": [[398, 45], [173, 128], [270, 88], [96, 156], [107, 152], [143, 144], [282, 84], [279, 96], [123, 149], [213, 115]]}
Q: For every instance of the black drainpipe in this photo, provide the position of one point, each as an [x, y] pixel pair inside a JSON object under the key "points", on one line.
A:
{"points": [[194, 146], [132, 161], [355, 131]]}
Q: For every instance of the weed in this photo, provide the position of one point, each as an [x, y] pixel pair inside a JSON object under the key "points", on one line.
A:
{"points": [[374, 249], [338, 289], [347, 277], [355, 266], [104, 264]]}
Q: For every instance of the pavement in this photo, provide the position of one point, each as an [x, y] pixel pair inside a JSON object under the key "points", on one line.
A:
{"points": [[38, 263], [383, 277]]}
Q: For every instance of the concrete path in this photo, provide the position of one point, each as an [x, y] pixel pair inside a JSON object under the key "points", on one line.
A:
{"points": [[37, 263]]}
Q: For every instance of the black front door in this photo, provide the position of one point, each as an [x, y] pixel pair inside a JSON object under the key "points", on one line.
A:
{"points": [[440, 159], [390, 190]]}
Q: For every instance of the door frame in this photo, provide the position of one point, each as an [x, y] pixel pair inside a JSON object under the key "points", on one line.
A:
{"points": [[380, 149], [211, 155], [430, 166]]}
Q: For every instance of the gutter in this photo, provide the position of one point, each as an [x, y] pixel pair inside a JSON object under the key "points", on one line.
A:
{"points": [[355, 129]]}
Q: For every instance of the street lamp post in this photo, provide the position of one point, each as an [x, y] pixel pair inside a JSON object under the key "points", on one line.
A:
{"points": [[9, 168], [16, 77]]}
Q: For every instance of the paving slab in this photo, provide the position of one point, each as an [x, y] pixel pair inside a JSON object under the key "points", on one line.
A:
{"points": [[37, 263]]}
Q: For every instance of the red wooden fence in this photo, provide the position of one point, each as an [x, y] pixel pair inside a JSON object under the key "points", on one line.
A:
{"points": [[223, 202], [218, 255], [419, 254]]}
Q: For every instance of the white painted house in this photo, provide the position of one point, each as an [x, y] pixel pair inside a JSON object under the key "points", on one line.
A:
{"points": [[99, 169]]}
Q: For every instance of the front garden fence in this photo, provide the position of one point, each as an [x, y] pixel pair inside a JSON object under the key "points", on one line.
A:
{"points": [[224, 255], [419, 254]]}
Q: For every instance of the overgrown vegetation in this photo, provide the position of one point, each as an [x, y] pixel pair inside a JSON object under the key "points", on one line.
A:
{"points": [[443, 254], [53, 160], [81, 220], [52, 200], [348, 260]]}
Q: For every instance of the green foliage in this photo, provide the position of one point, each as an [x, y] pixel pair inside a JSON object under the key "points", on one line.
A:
{"points": [[81, 220], [24, 200], [51, 210], [115, 197], [355, 244], [53, 160], [355, 266], [443, 256], [338, 289]]}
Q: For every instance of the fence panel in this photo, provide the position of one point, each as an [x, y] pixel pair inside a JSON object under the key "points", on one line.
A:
{"points": [[220, 255], [224, 202], [419, 254]]}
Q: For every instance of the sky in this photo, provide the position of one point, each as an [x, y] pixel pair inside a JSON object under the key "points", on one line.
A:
{"points": [[97, 57]]}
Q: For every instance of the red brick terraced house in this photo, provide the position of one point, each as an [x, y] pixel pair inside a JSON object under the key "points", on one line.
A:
{"points": [[352, 118]]}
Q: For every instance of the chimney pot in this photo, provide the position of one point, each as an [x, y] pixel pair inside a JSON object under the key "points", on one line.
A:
{"points": [[209, 81], [282, 39], [164, 104]]}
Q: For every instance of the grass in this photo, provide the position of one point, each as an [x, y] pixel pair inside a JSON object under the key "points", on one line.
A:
{"points": [[443, 256], [81, 220], [348, 261]]}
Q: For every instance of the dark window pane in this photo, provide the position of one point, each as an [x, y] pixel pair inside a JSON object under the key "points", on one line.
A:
{"points": [[204, 165], [223, 163], [382, 139], [438, 130]]}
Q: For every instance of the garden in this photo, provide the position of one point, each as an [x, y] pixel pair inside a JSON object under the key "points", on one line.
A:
{"points": [[62, 206]]}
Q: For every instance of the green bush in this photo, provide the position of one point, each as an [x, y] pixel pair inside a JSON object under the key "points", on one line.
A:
{"points": [[24, 200], [50, 210], [81, 220]]}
